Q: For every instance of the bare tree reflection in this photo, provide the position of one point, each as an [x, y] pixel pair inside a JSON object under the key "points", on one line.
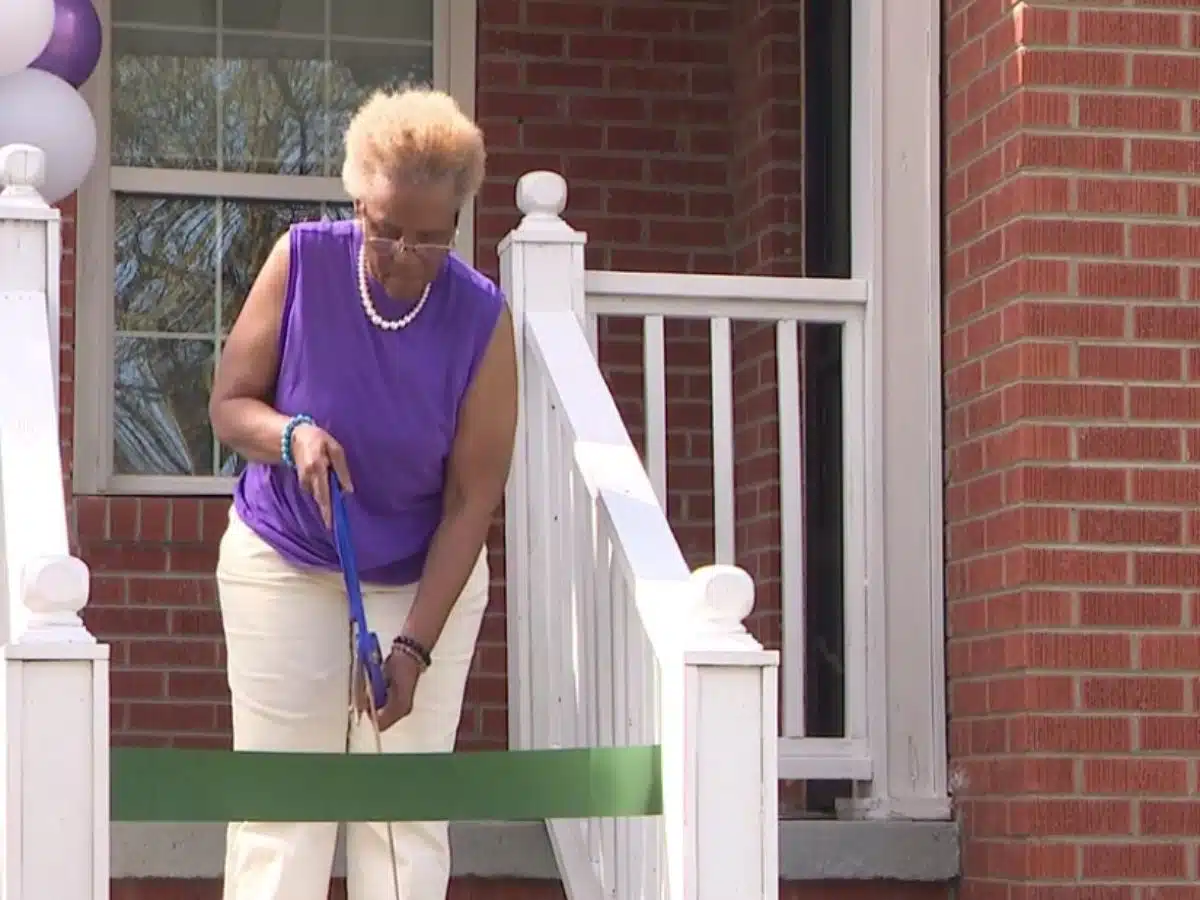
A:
{"points": [[165, 258], [281, 103], [161, 424]]}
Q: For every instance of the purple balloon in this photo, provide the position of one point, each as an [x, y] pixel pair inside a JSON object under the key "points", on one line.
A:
{"points": [[74, 46]]}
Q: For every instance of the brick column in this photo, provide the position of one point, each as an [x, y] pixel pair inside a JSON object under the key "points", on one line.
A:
{"points": [[1073, 433]]}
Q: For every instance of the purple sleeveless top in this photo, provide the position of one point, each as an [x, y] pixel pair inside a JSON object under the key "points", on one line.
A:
{"points": [[391, 399]]}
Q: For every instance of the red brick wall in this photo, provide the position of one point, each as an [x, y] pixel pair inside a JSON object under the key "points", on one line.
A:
{"points": [[629, 100], [1073, 401]]}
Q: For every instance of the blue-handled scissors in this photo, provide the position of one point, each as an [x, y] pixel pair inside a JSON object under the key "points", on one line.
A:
{"points": [[369, 655]]}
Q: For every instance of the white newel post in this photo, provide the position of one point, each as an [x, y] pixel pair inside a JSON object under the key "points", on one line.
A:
{"points": [[541, 268], [55, 717], [720, 746]]}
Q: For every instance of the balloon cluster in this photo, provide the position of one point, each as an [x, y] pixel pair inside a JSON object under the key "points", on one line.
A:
{"points": [[48, 48]]}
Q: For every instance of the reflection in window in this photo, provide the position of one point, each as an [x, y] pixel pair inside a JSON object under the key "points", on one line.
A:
{"points": [[161, 407], [176, 13], [164, 99], [273, 106], [272, 96], [408, 21], [165, 264]]}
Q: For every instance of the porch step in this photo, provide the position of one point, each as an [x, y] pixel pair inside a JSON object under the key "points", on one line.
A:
{"points": [[809, 850]]}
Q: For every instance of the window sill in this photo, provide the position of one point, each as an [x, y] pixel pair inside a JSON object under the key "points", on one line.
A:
{"points": [[155, 486]]}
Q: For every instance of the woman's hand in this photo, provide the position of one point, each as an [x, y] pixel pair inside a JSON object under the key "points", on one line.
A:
{"points": [[402, 673], [314, 451]]}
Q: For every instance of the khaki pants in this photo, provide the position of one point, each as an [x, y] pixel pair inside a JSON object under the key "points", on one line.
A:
{"points": [[289, 662]]}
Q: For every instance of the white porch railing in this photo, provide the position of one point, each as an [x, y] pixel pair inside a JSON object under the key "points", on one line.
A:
{"points": [[612, 640], [55, 702], [786, 304]]}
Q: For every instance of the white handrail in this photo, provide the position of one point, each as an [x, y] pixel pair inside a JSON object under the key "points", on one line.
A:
{"points": [[613, 640], [609, 465], [788, 307], [640, 649], [759, 298]]}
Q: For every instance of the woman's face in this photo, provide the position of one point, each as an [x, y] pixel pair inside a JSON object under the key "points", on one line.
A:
{"points": [[408, 232]]}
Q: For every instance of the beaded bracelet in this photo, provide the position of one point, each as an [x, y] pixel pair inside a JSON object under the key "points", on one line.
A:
{"points": [[285, 440], [412, 648], [411, 654]]}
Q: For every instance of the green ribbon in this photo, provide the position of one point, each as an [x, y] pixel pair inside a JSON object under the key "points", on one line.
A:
{"points": [[150, 785]]}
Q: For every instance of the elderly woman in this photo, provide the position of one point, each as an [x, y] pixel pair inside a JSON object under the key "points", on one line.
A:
{"points": [[369, 348]]}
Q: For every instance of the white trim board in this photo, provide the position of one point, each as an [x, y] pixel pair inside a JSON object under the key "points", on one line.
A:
{"points": [[454, 71], [908, 704]]}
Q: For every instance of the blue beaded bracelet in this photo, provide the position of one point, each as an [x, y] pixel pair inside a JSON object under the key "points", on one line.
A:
{"points": [[285, 440]]}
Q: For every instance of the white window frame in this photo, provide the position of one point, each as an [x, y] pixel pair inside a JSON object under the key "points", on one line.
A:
{"points": [[454, 27]]}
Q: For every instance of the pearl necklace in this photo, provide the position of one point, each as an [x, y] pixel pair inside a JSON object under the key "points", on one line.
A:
{"points": [[368, 305]]}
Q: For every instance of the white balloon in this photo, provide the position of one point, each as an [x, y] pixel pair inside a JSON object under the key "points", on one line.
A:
{"points": [[25, 27], [43, 110]]}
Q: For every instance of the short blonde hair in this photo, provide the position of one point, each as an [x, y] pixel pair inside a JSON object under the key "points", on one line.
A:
{"points": [[414, 135]]}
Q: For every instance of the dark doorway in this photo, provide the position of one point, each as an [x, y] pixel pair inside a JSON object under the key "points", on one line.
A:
{"points": [[827, 255]]}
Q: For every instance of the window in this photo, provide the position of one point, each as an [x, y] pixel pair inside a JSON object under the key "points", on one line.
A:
{"points": [[222, 122]]}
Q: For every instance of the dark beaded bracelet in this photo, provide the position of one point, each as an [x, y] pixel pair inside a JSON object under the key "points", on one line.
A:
{"points": [[413, 648], [405, 650]]}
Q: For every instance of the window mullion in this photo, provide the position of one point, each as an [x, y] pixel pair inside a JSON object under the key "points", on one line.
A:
{"points": [[230, 185], [218, 302]]}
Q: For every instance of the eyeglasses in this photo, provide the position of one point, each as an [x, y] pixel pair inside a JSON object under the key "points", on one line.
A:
{"points": [[388, 248]]}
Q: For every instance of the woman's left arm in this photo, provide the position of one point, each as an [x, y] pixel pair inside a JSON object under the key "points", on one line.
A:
{"points": [[478, 469]]}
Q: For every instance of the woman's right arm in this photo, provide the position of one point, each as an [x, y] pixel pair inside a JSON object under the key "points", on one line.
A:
{"points": [[244, 389], [244, 386]]}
